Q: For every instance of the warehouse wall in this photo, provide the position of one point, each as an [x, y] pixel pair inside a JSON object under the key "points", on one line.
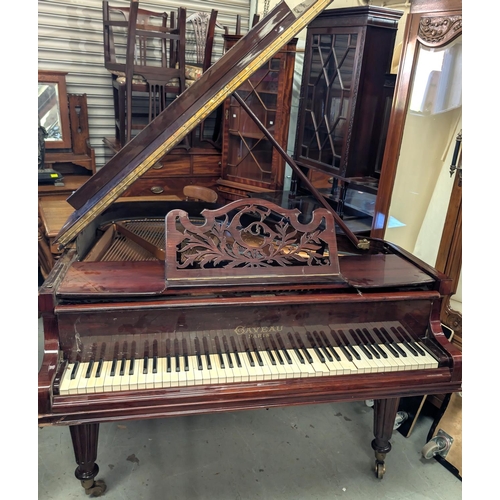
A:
{"points": [[70, 39]]}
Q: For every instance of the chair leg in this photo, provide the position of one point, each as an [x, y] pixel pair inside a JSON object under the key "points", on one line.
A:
{"points": [[121, 116], [128, 109]]}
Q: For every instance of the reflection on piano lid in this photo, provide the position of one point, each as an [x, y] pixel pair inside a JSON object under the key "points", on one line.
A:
{"points": [[160, 309]]}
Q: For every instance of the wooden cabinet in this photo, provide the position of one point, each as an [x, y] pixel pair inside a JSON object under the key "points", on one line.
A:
{"points": [[250, 163], [346, 93]]}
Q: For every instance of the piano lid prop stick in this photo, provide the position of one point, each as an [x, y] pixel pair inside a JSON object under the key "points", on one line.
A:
{"points": [[363, 244]]}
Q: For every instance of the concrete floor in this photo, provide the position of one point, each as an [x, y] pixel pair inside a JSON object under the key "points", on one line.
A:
{"points": [[297, 453]]}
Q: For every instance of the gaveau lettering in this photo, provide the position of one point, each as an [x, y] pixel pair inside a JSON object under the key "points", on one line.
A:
{"points": [[256, 330]]}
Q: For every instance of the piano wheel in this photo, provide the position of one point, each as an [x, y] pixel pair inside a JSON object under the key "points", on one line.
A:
{"points": [[379, 469], [94, 488]]}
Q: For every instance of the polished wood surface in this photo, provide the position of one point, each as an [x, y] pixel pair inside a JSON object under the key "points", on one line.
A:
{"points": [[200, 193]]}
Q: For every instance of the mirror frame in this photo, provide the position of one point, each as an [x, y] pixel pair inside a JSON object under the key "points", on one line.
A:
{"points": [[59, 78]]}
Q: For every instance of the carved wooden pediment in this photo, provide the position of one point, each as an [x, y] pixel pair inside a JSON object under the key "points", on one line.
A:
{"points": [[250, 241], [437, 31]]}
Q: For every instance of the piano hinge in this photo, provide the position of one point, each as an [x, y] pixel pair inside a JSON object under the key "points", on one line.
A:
{"points": [[364, 244]]}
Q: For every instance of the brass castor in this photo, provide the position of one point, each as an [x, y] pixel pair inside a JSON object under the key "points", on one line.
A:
{"points": [[94, 488], [379, 469]]}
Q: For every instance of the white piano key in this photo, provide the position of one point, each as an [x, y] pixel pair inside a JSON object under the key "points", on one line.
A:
{"points": [[319, 367], [348, 367], [90, 387], [431, 362], [117, 379], [305, 369], [214, 376], [221, 372], [197, 372], [133, 379], [160, 371], [252, 374], [106, 374], [66, 379], [142, 366], [239, 372]]}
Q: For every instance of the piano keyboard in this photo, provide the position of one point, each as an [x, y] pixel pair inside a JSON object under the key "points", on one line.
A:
{"points": [[353, 351]]}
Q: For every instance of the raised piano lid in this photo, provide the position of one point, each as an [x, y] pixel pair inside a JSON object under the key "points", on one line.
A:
{"points": [[167, 130]]}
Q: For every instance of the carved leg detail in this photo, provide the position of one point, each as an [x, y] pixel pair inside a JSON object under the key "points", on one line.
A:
{"points": [[84, 438], [383, 425]]}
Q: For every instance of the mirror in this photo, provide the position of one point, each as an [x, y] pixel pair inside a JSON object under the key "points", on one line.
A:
{"points": [[53, 113]]}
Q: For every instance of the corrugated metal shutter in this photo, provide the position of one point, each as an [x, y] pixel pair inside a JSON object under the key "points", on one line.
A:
{"points": [[70, 39]]}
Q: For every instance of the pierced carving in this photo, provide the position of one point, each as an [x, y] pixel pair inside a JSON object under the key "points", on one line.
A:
{"points": [[434, 31], [249, 240]]}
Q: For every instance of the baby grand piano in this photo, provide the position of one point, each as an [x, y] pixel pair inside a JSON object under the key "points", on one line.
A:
{"points": [[166, 309]]}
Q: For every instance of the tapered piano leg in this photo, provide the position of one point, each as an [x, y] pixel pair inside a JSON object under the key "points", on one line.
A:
{"points": [[383, 426], [84, 437]]}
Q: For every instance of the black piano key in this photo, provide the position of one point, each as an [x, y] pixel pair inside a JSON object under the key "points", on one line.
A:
{"points": [[185, 355], [341, 346], [367, 343], [113, 367], [283, 349], [228, 352], [229, 359], [235, 353], [247, 350], [410, 341], [295, 348], [393, 347], [385, 342], [269, 351], [177, 362], [259, 358], [359, 343], [89, 369], [122, 366], [403, 341], [145, 364], [207, 353], [99, 368], [348, 345], [219, 352], [374, 342], [250, 358], [168, 355], [322, 346], [329, 345], [303, 348], [237, 358], [221, 360], [155, 364], [198, 353], [276, 351], [132, 364], [256, 352], [315, 346]]}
